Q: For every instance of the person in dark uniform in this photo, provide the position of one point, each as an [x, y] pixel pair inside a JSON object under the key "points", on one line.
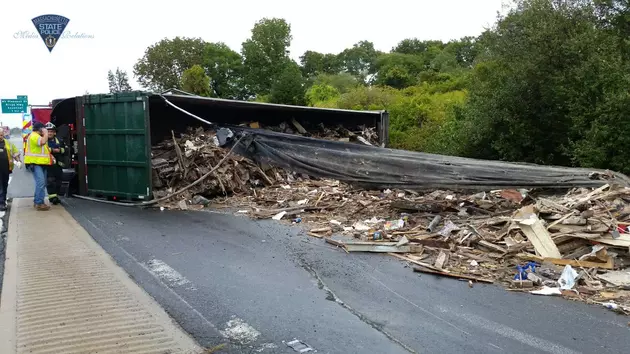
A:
{"points": [[55, 171], [8, 153]]}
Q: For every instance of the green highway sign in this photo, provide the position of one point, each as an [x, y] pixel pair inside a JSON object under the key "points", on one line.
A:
{"points": [[12, 105], [23, 98]]}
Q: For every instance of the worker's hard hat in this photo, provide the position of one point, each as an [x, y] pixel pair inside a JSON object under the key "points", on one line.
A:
{"points": [[50, 126]]}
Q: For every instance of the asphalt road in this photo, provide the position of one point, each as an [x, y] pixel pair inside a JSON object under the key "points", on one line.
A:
{"points": [[259, 285]]}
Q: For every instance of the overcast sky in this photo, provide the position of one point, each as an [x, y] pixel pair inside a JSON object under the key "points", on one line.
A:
{"points": [[122, 30]]}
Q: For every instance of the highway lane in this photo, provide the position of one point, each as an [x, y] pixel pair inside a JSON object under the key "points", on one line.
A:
{"points": [[255, 285]]}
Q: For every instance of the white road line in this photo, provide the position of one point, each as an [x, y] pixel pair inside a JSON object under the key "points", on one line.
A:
{"points": [[537, 343], [166, 273], [239, 331]]}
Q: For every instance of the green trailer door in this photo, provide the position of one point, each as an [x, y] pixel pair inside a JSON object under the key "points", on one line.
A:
{"points": [[117, 145]]}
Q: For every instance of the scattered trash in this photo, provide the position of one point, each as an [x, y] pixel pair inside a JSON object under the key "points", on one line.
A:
{"points": [[610, 305], [279, 215], [394, 225], [546, 291], [299, 346], [562, 242], [567, 278], [200, 200]]}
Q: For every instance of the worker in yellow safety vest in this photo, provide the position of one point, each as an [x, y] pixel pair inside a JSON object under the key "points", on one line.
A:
{"points": [[8, 153], [37, 158]]}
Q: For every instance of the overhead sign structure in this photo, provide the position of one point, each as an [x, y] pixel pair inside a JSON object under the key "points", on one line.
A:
{"points": [[14, 105]]}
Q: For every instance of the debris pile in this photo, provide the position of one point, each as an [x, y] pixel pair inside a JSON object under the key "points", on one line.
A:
{"points": [[575, 245], [363, 134], [178, 162]]}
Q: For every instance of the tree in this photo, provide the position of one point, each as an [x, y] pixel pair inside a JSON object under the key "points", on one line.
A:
{"points": [[342, 82], [314, 63], [547, 80], [195, 80], [359, 60], [289, 88], [118, 81], [163, 64], [398, 70], [265, 54], [427, 50], [415, 46], [321, 93], [224, 67]]}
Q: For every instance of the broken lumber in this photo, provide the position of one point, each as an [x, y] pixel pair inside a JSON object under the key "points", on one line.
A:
{"points": [[452, 275], [540, 238]]}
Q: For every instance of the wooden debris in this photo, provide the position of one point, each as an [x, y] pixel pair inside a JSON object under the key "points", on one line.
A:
{"points": [[452, 275], [441, 260], [439, 231], [536, 233]]}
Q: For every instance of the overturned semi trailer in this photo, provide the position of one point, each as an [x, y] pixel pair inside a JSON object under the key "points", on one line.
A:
{"points": [[111, 134]]}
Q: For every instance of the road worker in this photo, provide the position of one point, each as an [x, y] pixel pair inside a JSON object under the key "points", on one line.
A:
{"points": [[37, 158], [8, 153], [55, 171]]}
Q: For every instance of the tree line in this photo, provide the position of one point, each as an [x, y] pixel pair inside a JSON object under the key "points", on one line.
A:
{"points": [[547, 83]]}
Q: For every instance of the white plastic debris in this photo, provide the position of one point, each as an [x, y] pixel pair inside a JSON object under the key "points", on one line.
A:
{"points": [[241, 212], [400, 195], [567, 278], [610, 305], [285, 186], [474, 263], [335, 222], [387, 191], [374, 220], [279, 215], [359, 226], [546, 291], [302, 202]]}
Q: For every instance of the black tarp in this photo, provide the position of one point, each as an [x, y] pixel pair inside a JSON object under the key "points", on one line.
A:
{"points": [[380, 168]]}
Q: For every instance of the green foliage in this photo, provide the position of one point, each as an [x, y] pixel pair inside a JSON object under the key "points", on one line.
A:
{"points": [[224, 67], [314, 63], [398, 70], [118, 81], [343, 82], [265, 54], [289, 88], [321, 93], [195, 80], [359, 60], [163, 64], [545, 71]]}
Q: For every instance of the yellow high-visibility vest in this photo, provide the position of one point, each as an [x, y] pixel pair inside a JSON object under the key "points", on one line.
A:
{"points": [[11, 150], [36, 154]]}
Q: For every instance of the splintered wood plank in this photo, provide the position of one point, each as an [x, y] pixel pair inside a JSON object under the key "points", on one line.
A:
{"points": [[537, 234]]}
